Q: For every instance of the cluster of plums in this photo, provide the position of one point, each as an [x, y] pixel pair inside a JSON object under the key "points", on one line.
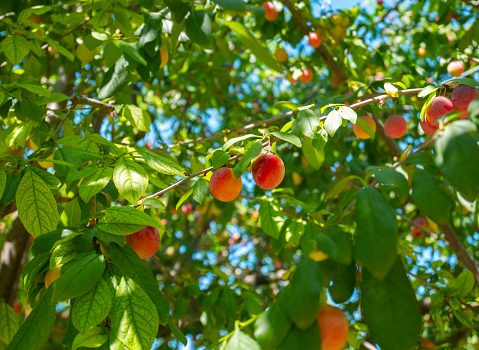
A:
{"points": [[268, 172], [396, 126]]}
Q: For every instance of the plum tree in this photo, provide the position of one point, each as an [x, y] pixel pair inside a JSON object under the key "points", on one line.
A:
{"points": [[429, 127], [419, 224], [314, 39], [333, 328], [270, 12], [144, 242], [455, 68], [364, 127], [462, 96], [395, 126], [440, 106], [224, 185], [268, 171]]}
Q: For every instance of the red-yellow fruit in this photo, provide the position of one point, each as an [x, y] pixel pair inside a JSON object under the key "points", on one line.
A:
{"points": [[421, 52], [360, 132], [144, 242], [333, 328], [268, 171], [417, 224], [462, 96], [314, 39], [306, 76], [455, 68], [440, 106], [224, 185], [270, 12], [395, 126], [187, 208], [52, 275], [428, 127], [281, 55]]}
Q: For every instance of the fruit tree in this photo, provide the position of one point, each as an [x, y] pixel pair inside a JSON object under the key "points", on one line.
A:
{"points": [[239, 174]]}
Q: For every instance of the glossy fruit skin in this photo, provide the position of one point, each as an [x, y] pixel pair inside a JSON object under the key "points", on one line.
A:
{"points": [[269, 11], [440, 106], [421, 222], [359, 132], [429, 128], [281, 55], [144, 242], [333, 327], [455, 68], [395, 126], [307, 76], [268, 171], [314, 39], [462, 96], [224, 185], [52, 275]]}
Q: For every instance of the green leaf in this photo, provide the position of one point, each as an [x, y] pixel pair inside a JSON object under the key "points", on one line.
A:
{"points": [[313, 155], [72, 215], [292, 139], [15, 47], [457, 155], [306, 123], [464, 283], [294, 232], [3, 182], [130, 179], [160, 163], [231, 5], [92, 307], [232, 141], [139, 118], [184, 197], [376, 238], [430, 197], [130, 50], [125, 220], [343, 281], [252, 151], [427, 90], [177, 333], [200, 190], [260, 51], [126, 263], [302, 294], [391, 310], [117, 79], [92, 185], [198, 27], [347, 113], [36, 205], [134, 320], [333, 122], [219, 158], [36, 89], [78, 277], [266, 218], [302, 339], [271, 327], [391, 179], [241, 341], [341, 244], [90, 338], [62, 50], [9, 322], [35, 330]]}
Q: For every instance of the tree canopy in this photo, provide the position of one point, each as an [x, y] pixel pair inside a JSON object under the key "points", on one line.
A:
{"points": [[128, 128]]}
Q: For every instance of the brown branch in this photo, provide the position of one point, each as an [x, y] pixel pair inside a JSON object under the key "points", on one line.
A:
{"points": [[84, 100], [461, 252], [375, 99], [12, 257], [321, 50]]}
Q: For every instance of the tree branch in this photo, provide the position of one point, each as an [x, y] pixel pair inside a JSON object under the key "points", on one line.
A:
{"points": [[321, 50]]}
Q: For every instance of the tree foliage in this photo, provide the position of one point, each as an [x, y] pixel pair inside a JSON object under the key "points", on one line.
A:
{"points": [[114, 114]]}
